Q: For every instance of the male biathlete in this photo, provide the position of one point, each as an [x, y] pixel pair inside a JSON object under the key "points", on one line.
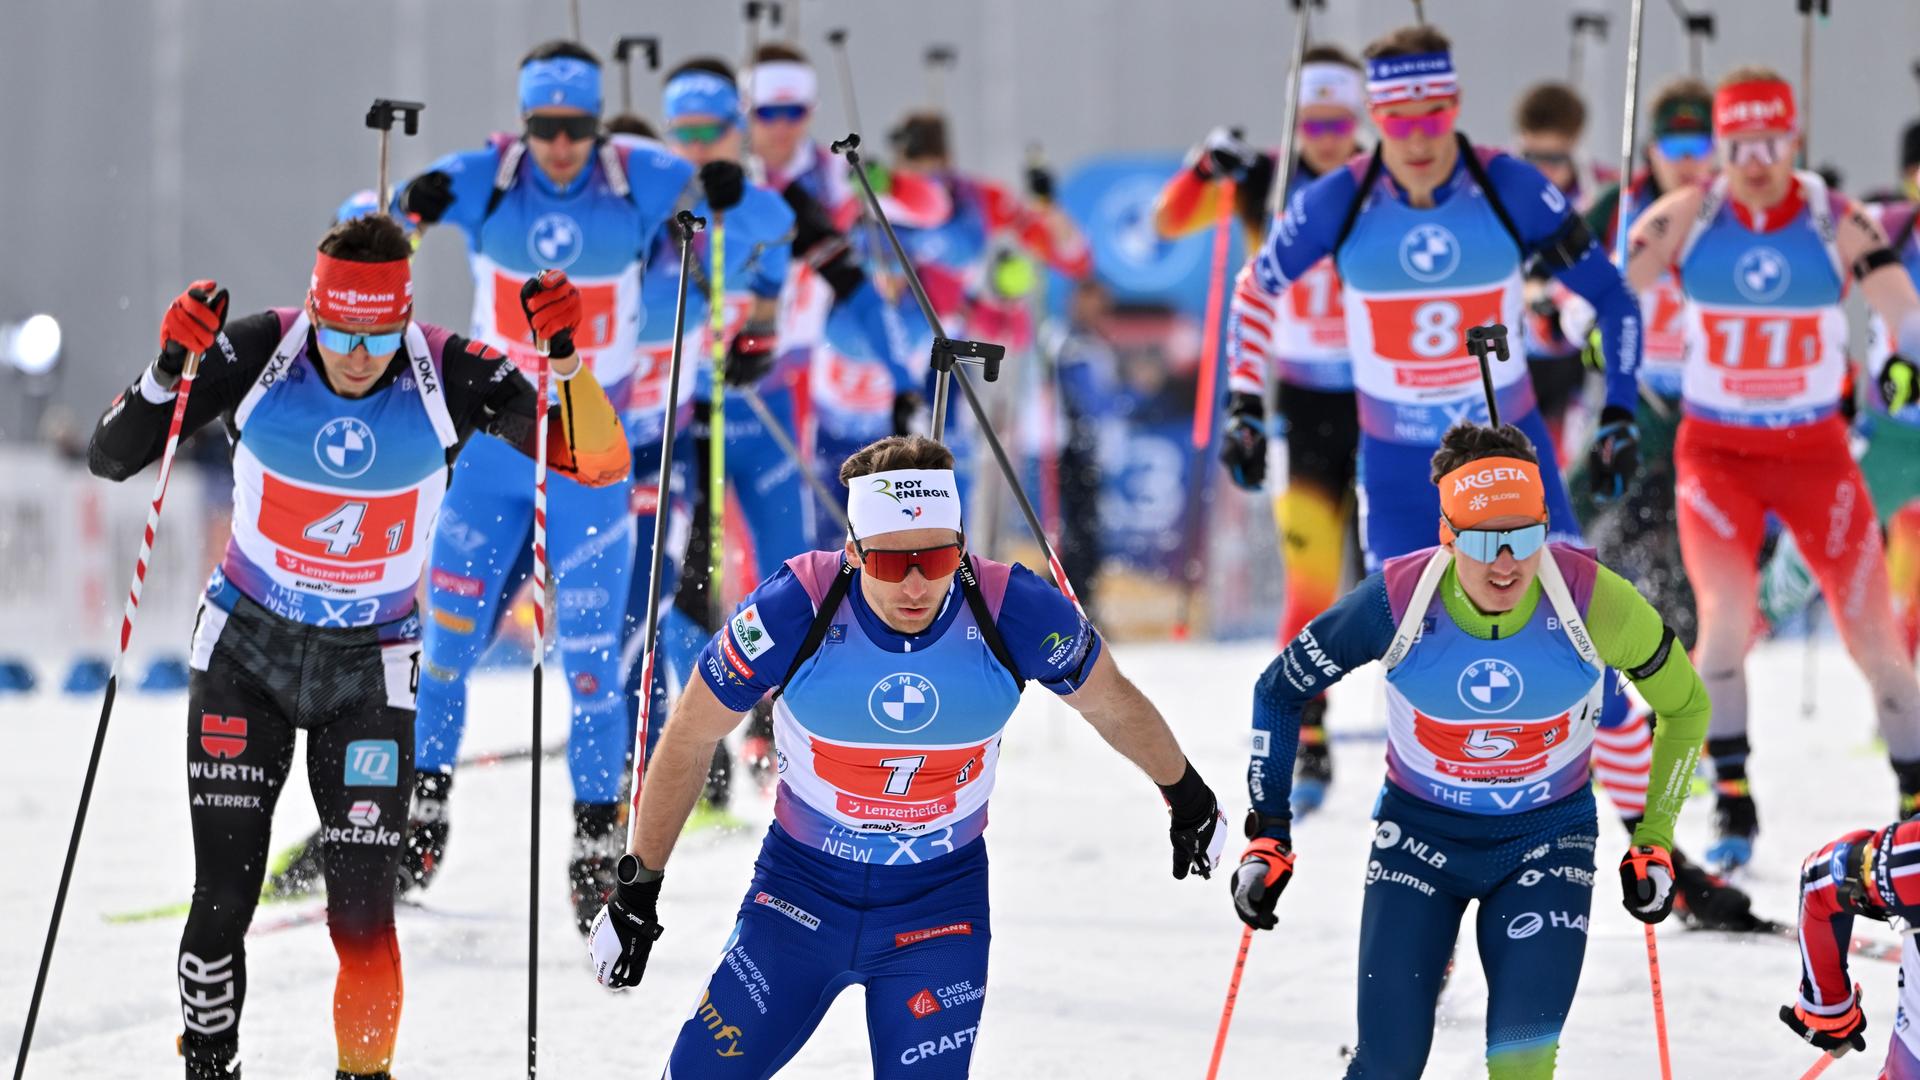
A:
{"points": [[895, 664], [344, 415], [1495, 644], [1302, 337], [1764, 256]]}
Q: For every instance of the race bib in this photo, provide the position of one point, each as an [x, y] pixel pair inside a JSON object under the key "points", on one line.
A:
{"points": [[1765, 356], [1488, 752], [304, 524], [1425, 337]]}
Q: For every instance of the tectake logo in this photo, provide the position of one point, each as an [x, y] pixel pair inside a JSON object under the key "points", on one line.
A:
{"points": [[365, 813], [903, 702], [1429, 253], [1762, 275], [555, 241], [344, 447], [1490, 686]]}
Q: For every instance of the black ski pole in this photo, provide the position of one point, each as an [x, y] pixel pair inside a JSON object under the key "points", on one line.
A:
{"points": [[939, 60], [1582, 24], [1808, 9], [1482, 341], [380, 117]]}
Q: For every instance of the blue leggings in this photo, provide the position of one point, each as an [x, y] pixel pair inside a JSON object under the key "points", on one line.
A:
{"points": [[481, 553], [812, 925], [1532, 874]]}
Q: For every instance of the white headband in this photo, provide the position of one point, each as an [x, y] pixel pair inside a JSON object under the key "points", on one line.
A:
{"points": [[1325, 83], [783, 82], [900, 499]]}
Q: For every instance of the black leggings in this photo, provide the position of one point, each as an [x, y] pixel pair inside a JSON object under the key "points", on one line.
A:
{"points": [[256, 678]]}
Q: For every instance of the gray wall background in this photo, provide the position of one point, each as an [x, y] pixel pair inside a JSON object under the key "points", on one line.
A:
{"points": [[150, 142]]}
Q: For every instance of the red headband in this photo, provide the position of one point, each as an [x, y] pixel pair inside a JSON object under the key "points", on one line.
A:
{"points": [[1748, 107], [361, 293]]}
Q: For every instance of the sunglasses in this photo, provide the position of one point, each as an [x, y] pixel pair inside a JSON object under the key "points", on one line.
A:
{"points": [[893, 566], [1770, 150], [1556, 158], [1685, 147], [711, 132], [1483, 545], [345, 341], [1320, 129], [781, 114], [577, 128], [1433, 125]]}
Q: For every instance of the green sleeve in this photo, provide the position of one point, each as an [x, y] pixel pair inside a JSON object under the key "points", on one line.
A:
{"points": [[1627, 631], [1600, 216]]}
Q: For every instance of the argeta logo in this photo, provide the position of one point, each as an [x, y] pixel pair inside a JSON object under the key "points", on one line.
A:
{"points": [[1490, 686], [344, 447], [1762, 274], [224, 737], [1429, 252], [903, 702], [554, 241], [365, 813], [923, 1005], [373, 763]]}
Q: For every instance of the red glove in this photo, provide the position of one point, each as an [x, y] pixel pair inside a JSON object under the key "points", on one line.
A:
{"points": [[553, 308], [1265, 868], [1834, 1034], [191, 323]]}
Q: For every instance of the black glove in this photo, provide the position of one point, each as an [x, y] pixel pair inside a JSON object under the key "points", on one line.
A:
{"points": [[750, 354], [1614, 457], [1834, 1034], [1646, 883], [1243, 444], [1899, 383], [906, 413], [427, 197], [724, 183], [1198, 829], [1040, 183], [623, 933]]}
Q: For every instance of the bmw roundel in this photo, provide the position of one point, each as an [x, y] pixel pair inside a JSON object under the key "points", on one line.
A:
{"points": [[903, 702], [555, 241], [344, 447], [1762, 274], [1429, 252], [1490, 686]]}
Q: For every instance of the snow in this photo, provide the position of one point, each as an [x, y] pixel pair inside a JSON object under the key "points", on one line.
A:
{"points": [[1103, 966]]}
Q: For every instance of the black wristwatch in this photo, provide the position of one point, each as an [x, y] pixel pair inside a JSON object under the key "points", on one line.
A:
{"points": [[630, 871], [1258, 824]]}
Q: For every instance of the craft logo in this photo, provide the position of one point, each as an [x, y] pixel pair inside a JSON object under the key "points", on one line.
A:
{"points": [[1429, 253], [344, 447], [1490, 686], [372, 763], [224, 737]]}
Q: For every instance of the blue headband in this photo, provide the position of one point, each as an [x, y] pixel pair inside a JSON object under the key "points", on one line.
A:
{"points": [[563, 80], [701, 93]]}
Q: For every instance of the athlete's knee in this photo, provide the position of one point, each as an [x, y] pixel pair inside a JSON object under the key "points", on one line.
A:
{"points": [[1523, 1057]]}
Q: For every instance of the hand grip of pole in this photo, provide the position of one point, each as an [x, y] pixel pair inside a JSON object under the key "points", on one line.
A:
{"points": [[384, 111], [644, 43], [1486, 343], [984, 354]]}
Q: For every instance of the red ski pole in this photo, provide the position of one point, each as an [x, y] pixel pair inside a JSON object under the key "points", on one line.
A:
{"points": [[1205, 398], [1659, 1002], [185, 388], [1818, 1067], [1226, 1011]]}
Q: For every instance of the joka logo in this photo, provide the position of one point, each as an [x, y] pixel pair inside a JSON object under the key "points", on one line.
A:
{"points": [[923, 1005], [1429, 252], [373, 763], [1762, 274], [555, 241], [1490, 686], [365, 813], [344, 447], [224, 737], [903, 702]]}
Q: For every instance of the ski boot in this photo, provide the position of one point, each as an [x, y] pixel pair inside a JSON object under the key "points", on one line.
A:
{"points": [[757, 747], [427, 827], [209, 1058], [298, 871], [1707, 901], [596, 848], [1313, 763], [1736, 822]]}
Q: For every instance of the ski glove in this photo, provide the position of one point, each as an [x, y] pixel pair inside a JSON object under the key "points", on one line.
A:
{"points": [[427, 198], [1224, 155], [1243, 443], [1198, 830], [623, 933], [1834, 1034], [1265, 868], [1614, 457], [750, 354], [1040, 183], [724, 183], [552, 305], [190, 325], [1899, 383], [1646, 883]]}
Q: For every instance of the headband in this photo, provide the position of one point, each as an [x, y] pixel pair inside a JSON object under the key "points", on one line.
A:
{"points": [[1326, 83], [1394, 79], [783, 82], [563, 80], [351, 293], [701, 93], [899, 499], [1491, 487], [1748, 107], [1684, 116]]}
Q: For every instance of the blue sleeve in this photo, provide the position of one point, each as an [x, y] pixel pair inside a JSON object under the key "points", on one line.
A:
{"points": [[655, 178], [773, 233], [1541, 212], [1306, 232], [1357, 629], [472, 174], [750, 655], [1050, 642], [883, 331]]}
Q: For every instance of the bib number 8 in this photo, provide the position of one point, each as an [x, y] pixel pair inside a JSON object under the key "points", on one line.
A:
{"points": [[1436, 330]]}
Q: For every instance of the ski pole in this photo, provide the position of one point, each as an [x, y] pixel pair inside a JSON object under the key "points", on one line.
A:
{"points": [[939, 59], [187, 373], [774, 428], [1582, 24], [623, 52], [1624, 213], [539, 674], [1233, 995], [380, 116], [573, 19], [1205, 396], [1808, 9], [1820, 1066], [1482, 342], [1283, 164], [949, 358], [1659, 1002], [717, 419], [689, 225]]}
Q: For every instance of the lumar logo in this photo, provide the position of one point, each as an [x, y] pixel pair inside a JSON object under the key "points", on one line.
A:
{"points": [[1487, 478]]}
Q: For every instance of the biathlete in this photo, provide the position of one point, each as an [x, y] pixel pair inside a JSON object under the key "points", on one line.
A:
{"points": [[1302, 337], [1495, 645], [344, 415], [895, 664], [1763, 256]]}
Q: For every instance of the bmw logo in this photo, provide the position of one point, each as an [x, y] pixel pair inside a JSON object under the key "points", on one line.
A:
{"points": [[903, 703], [1762, 275], [554, 242], [1490, 686], [344, 447], [1429, 252]]}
